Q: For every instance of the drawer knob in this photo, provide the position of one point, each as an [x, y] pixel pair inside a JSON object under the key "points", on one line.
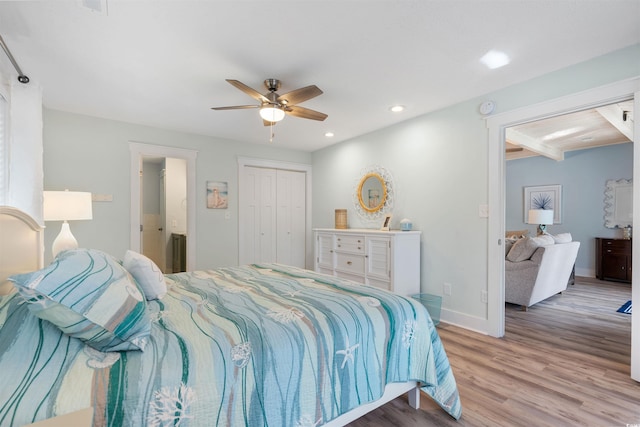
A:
{"points": [[349, 263], [359, 248]]}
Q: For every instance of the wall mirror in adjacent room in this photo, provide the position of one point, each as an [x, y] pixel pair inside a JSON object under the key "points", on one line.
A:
{"points": [[618, 203]]}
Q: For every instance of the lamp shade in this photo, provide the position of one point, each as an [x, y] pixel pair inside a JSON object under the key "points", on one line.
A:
{"points": [[540, 216], [67, 206]]}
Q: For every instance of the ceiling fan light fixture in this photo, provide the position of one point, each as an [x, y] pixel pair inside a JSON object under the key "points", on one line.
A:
{"points": [[271, 113]]}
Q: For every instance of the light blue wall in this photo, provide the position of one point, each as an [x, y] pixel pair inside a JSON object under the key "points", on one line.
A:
{"points": [[439, 163], [90, 154], [583, 175]]}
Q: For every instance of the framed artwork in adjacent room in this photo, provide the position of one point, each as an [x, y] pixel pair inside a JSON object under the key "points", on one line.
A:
{"points": [[544, 197]]}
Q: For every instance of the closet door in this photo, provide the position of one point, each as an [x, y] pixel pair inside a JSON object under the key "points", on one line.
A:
{"points": [[291, 215], [258, 216]]}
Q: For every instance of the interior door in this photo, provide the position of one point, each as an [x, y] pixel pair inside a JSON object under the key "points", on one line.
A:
{"points": [[258, 215], [291, 216]]}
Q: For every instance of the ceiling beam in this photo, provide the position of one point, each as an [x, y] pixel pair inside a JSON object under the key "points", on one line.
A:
{"points": [[613, 114], [533, 144]]}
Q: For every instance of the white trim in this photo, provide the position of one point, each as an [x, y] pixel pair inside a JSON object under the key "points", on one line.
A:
{"points": [[138, 150], [635, 250], [497, 125], [391, 391], [277, 164]]}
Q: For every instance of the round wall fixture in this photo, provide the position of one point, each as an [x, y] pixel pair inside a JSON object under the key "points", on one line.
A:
{"points": [[487, 107]]}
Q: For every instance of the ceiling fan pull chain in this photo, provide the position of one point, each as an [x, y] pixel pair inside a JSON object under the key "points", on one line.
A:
{"points": [[271, 132]]}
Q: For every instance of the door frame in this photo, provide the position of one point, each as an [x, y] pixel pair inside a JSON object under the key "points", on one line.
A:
{"points": [[276, 164], [138, 151], [497, 125]]}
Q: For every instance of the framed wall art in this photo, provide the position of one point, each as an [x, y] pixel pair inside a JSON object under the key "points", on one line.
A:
{"points": [[217, 195], [544, 197]]}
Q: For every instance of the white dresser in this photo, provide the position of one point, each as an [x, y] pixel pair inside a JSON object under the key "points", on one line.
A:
{"points": [[386, 259]]}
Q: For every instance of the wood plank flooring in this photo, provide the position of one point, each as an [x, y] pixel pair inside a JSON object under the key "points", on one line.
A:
{"points": [[564, 362]]}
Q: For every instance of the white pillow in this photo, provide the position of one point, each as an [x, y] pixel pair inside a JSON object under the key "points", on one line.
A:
{"points": [[562, 238], [544, 239], [147, 274]]}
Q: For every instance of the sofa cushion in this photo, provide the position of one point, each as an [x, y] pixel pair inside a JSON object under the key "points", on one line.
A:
{"points": [[544, 240], [522, 249], [562, 238]]}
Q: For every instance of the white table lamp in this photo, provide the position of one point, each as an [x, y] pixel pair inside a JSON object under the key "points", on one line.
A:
{"points": [[66, 206], [541, 217]]}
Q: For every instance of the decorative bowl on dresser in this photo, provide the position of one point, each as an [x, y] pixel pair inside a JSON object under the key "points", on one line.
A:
{"points": [[613, 259]]}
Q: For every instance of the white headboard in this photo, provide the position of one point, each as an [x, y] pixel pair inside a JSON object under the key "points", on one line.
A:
{"points": [[21, 244]]}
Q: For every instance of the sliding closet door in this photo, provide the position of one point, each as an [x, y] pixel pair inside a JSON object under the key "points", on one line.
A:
{"points": [[258, 215], [273, 216], [291, 215]]}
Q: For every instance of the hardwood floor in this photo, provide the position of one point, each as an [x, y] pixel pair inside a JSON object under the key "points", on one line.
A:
{"points": [[564, 362]]}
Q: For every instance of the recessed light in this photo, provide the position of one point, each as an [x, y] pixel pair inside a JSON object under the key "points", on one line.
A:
{"points": [[329, 134], [495, 59], [397, 108]]}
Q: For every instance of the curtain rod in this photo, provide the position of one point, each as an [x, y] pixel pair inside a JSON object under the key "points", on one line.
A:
{"points": [[21, 77]]}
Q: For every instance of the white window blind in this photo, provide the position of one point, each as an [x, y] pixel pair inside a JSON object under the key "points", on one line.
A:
{"points": [[4, 151]]}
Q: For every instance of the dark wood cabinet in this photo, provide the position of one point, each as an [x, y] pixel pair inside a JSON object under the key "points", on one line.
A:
{"points": [[613, 259]]}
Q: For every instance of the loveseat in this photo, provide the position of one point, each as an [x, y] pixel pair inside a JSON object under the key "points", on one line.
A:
{"points": [[537, 268]]}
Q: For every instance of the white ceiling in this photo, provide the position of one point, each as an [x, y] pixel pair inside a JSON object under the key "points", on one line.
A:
{"points": [[164, 63]]}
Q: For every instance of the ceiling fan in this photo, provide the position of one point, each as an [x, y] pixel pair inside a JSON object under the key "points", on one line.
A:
{"points": [[273, 107]]}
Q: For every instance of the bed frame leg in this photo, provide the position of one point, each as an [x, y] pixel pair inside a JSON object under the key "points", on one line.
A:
{"points": [[414, 398]]}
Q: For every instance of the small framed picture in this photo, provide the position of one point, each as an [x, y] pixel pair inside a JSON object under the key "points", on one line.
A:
{"points": [[217, 195], [386, 223]]}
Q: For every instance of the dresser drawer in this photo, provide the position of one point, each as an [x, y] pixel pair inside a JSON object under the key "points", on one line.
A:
{"points": [[616, 245], [349, 263], [353, 244]]}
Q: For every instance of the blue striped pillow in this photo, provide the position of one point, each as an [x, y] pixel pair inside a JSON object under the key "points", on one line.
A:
{"points": [[87, 294]]}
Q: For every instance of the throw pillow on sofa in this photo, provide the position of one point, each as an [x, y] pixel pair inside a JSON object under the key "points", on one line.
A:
{"points": [[522, 249], [562, 238], [544, 240]]}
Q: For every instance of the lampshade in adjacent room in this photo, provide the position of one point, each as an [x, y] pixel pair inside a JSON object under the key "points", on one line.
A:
{"points": [[66, 206], [541, 217]]}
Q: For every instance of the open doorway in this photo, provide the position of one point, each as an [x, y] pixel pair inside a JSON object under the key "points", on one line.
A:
{"points": [[181, 219], [164, 212], [579, 152], [497, 125]]}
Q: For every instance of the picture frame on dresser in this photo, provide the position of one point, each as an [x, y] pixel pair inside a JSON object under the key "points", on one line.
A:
{"points": [[386, 223]]}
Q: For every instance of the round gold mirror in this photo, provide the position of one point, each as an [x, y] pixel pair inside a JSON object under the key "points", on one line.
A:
{"points": [[372, 192]]}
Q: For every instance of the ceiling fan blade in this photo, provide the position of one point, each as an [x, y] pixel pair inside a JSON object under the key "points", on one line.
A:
{"points": [[304, 113], [249, 91], [300, 95], [268, 123], [235, 107], [514, 150]]}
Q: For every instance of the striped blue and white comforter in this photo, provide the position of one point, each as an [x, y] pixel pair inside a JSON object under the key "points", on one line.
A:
{"points": [[261, 345]]}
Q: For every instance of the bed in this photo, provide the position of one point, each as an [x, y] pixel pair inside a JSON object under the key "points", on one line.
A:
{"points": [[261, 344]]}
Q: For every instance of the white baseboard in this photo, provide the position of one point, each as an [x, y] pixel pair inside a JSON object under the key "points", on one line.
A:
{"points": [[473, 323]]}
